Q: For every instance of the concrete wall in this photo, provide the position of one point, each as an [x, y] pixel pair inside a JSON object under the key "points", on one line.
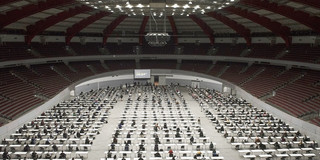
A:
{"points": [[295, 39], [172, 76], [159, 57], [11, 127], [166, 77], [298, 124]]}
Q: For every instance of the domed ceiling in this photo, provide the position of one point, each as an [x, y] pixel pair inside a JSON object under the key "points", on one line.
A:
{"points": [[184, 18]]}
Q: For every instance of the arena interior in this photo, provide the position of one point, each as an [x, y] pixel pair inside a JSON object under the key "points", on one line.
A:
{"points": [[160, 79]]}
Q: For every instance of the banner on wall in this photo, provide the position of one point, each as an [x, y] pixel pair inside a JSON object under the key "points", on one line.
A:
{"points": [[142, 74], [195, 84], [43, 40]]}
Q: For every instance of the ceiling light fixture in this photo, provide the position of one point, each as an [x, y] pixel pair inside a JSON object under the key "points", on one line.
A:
{"points": [[159, 5], [186, 6], [154, 37], [140, 5], [175, 6]]}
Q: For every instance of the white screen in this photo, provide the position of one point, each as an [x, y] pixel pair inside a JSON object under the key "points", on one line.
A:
{"points": [[141, 73]]}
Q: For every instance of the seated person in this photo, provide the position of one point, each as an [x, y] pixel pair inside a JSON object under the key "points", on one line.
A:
{"points": [[48, 156], [126, 147], [26, 148], [78, 135], [62, 155], [70, 148], [191, 140], [87, 141], [115, 140], [47, 142], [155, 128], [214, 153], [54, 147], [314, 145], [262, 146], [139, 154], [18, 141], [141, 134], [133, 123], [294, 138], [232, 140], [257, 140], [276, 145], [305, 138], [157, 141], [201, 134], [221, 129], [34, 155], [157, 154], [112, 146], [178, 135], [170, 153], [109, 155], [225, 135], [141, 147], [33, 140], [156, 147], [211, 146], [198, 154], [301, 144], [65, 135], [82, 130], [289, 145], [5, 155]]}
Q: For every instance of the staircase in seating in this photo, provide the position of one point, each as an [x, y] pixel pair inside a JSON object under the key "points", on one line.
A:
{"points": [[252, 76], [60, 73]]}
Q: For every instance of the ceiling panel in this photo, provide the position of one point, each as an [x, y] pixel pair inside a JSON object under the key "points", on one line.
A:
{"points": [[287, 21], [4, 8], [91, 30], [258, 30], [183, 23], [65, 23], [19, 3], [275, 16], [17, 25], [295, 27], [312, 10], [295, 5], [73, 19], [83, 15], [53, 11], [96, 26], [41, 15], [29, 20], [56, 29], [233, 16], [242, 20], [224, 30], [262, 12]]}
